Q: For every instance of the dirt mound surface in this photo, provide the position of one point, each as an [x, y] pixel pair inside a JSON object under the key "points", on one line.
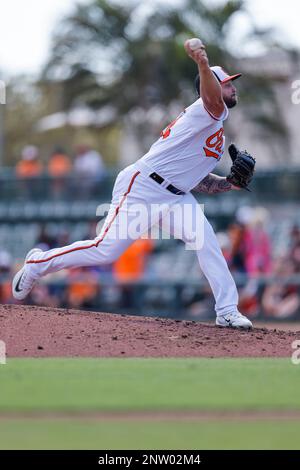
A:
{"points": [[47, 332]]}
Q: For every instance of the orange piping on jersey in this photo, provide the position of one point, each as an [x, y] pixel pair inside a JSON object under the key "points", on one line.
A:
{"points": [[211, 115], [92, 245]]}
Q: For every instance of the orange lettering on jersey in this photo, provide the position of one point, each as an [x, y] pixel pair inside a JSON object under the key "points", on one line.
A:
{"points": [[214, 141], [167, 131], [210, 153]]}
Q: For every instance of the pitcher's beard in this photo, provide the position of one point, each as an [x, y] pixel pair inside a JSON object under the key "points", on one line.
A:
{"points": [[230, 102]]}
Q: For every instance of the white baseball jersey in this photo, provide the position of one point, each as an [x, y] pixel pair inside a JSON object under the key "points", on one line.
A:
{"points": [[187, 151], [189, 148]]}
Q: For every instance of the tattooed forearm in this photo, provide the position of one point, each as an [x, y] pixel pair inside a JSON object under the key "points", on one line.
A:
{"points": [[213, 184]]}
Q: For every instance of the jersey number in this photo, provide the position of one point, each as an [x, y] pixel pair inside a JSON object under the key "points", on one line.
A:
{"points": [[167, 131], [214, 144]]}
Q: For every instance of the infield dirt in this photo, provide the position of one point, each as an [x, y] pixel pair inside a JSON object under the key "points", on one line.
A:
{"points": [[30, 331]]}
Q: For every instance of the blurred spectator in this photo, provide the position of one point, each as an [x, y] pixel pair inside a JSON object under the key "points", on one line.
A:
{"points": [[249, 298], [89, 163], [250, 243], [295, 235], [89, 170], [40, 295], [59, 168], [281, 298], [201, 306], [59, 164], [257, 244], [131, 267], [236, 254], [44, 240], [132, 263], [294, 251], [83, 288], [5, 262], [29, 166], [5, 277], [63, 238], [29, 169]]}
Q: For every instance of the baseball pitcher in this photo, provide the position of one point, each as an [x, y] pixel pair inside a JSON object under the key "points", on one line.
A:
{"points": [[179, 162]]}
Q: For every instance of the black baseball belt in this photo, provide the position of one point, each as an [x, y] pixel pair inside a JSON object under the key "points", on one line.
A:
{"points": [[159, 179]]}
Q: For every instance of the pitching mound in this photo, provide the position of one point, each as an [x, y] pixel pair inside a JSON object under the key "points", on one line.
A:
{"points": [[46, 332]]}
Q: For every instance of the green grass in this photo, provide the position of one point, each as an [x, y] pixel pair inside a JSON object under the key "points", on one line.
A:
{"points": [[148, 435], [57, 385], [146, 384]]}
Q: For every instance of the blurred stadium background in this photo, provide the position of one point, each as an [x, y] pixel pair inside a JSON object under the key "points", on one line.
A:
{"points": [[116, 74]]}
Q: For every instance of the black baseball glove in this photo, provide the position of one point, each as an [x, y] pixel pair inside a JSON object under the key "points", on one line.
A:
{"points": [[242, 170]]}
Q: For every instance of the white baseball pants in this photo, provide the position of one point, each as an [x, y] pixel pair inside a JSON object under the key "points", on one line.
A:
{"points": [[139, 203]]}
